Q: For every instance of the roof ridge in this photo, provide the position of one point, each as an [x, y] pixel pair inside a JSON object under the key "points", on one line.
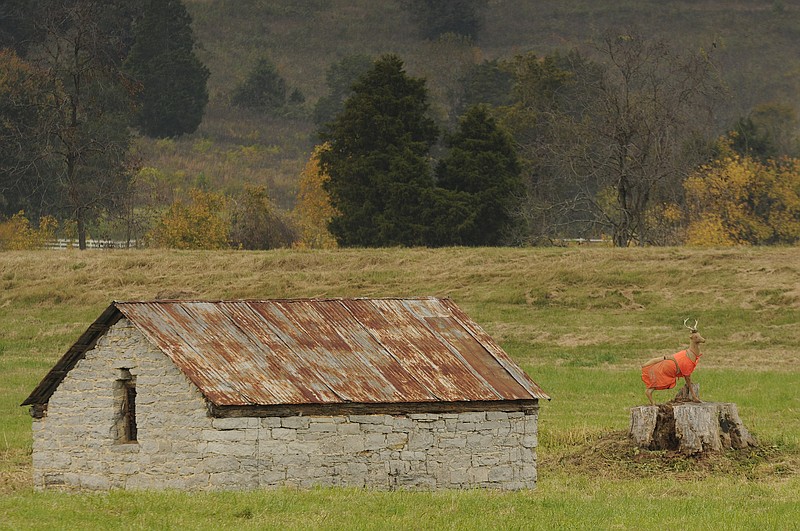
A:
{"points": [[284, 299]]}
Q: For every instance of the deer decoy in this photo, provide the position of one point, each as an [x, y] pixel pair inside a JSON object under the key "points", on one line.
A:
{"points": [[663, 372]]}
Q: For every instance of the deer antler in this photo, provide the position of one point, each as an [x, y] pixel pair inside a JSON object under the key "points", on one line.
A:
{"points": [[692, 328]]}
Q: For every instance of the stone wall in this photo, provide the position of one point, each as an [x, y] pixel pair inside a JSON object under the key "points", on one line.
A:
{"points": [[78, 444]]}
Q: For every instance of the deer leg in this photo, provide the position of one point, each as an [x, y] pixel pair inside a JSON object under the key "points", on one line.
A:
{"points": [[649, 393]]}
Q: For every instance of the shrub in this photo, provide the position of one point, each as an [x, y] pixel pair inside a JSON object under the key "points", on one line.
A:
{"points": [[16, 234], [202, 223]]}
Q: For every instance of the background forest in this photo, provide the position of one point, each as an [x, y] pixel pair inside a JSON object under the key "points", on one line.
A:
{"points": [[210, 124]]}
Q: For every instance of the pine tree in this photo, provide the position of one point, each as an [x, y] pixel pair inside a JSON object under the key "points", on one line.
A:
{"points": [[482, 163], [436, 18], [263, 89], [378, 159], [172, 93], [340, 78]]}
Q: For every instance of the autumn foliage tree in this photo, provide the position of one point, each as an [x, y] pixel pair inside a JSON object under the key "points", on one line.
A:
{"points": [[314, 210], [257, 223], [738, 200], [18, 234], [200, 223]]}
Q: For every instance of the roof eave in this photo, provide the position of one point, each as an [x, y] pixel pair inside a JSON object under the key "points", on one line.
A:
{"points": [[385, 408]]}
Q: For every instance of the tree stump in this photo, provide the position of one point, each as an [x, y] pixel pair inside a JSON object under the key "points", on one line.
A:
{"points": [[689, 427]]}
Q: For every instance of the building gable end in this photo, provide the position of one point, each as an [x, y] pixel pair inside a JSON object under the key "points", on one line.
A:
{"points": [[39, 397]]}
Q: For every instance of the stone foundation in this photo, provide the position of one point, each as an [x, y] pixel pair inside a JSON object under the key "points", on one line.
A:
{"points": [[79, 442]]}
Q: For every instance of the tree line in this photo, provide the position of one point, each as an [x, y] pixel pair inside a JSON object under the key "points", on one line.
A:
{"points": [[619, 143], [80, 76], [619, 146]]}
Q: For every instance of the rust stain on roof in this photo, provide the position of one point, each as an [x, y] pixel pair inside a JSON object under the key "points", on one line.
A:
{"points": [[322, 351]]}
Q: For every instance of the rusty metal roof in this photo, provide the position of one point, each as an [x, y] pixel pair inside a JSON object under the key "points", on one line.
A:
{"points": [[318, 351]]}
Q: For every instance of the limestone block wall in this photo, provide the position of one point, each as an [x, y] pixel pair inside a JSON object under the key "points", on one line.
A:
{"points": [[77, 443], [421, 451], [179, 445]]}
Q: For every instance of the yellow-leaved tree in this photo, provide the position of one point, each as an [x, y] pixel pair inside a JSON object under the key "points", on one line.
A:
{"points": [[17, 234], [737, 200], [201, 223], [313, 209]]}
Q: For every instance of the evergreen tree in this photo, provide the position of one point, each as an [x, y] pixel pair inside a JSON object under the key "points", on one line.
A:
{"points": [[749, 140], [450, 217], [378, 159], [263, 89], [770, 131], [482, 163], [173, 94], [436, 17], [340, 78]]}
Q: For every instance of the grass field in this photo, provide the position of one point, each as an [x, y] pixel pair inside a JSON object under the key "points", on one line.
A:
{"points": [[579, 320]]}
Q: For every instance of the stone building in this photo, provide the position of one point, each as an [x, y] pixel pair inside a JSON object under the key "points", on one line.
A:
{"points": [[377, 393]]}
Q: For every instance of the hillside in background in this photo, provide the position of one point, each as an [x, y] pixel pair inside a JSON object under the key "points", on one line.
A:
{"points": [[755, 44]]}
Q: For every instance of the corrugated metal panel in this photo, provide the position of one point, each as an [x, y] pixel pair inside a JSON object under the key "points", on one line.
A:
{"points": [[330, 351], [425, 357], [500, 355]]}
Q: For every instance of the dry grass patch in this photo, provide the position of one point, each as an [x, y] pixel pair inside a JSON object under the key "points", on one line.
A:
{"points": [[612, 455], [15, 470]]}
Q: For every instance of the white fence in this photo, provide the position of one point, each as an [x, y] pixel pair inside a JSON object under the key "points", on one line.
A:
{"points": [[63, 243], [586, 241]]}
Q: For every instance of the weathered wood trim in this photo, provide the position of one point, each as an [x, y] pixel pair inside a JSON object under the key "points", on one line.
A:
{"points": [[39, 411], [293, 410]]}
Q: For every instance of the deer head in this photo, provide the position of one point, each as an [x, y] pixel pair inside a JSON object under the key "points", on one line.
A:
{"points": [[695, 336]]}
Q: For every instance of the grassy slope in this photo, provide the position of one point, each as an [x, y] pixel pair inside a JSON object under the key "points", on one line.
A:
{"points": [[578, 320]]}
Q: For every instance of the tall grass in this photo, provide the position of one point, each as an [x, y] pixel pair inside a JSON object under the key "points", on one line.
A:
{"points": [[578, 320]]}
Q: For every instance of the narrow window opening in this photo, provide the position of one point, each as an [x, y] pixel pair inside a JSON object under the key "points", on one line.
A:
{"points": [[130, 410], [126, 418]]}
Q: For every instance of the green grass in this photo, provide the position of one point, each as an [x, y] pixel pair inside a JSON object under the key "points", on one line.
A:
{"points": [[579, 321], [559, 503]]}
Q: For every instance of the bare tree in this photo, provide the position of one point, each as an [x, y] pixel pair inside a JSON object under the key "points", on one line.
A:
{"points": [[633, 132], [88, 105]]}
